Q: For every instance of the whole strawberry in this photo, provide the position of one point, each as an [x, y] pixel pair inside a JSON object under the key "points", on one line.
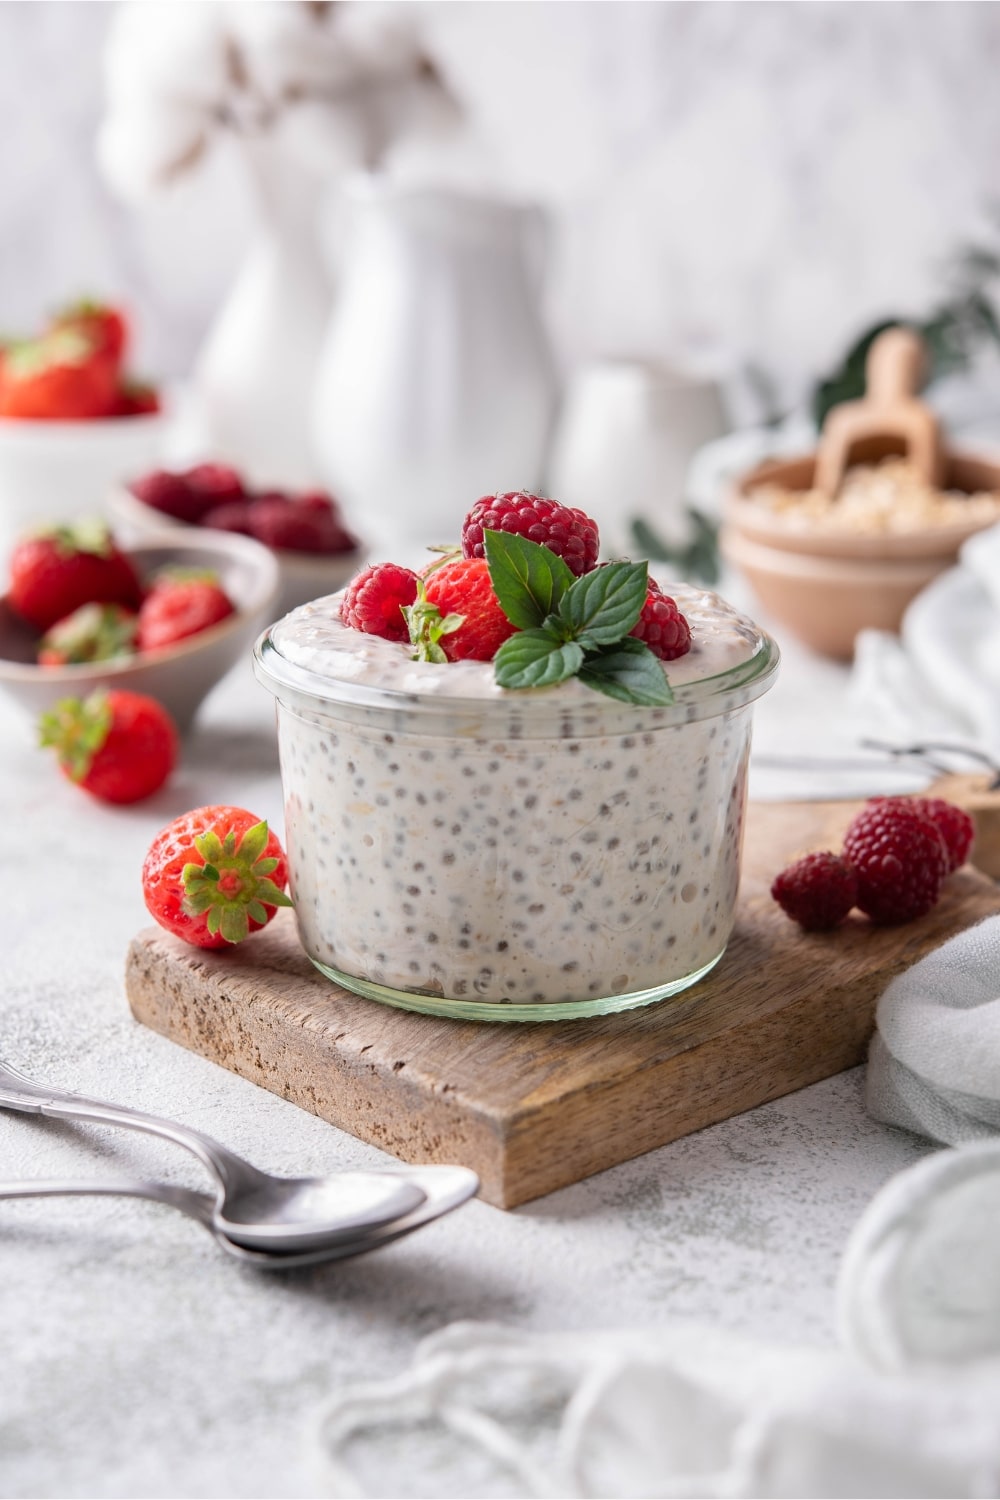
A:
{"points": [[54, 571], [817, 891], [215, 875], [374, 601], [570, 533], [178, 606], [61, 377], [899, 858], [105, 326], [119, 746], [94, 632], [462, 592]]}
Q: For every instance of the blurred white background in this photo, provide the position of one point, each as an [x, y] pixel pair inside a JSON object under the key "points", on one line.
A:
{"points": [[734, 182]]}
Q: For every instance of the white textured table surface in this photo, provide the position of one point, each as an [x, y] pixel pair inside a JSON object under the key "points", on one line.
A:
{"points": [[138, 1360]]}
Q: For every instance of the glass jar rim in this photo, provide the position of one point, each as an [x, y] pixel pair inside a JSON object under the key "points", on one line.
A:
{"points": [[539, 710]]}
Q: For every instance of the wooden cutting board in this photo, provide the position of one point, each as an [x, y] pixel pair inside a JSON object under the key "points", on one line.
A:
{"points": [[532, 1107]]}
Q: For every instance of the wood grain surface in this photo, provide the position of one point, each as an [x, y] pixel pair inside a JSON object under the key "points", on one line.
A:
{"points": [[534, 1107]]}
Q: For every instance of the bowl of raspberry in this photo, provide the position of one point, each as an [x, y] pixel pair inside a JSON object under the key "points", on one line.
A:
{"points": [[167, 617], [73, 419], [314, 547], [515, 780]]}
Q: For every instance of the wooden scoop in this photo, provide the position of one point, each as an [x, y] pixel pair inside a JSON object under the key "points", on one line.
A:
{"points": [[889, 415]]}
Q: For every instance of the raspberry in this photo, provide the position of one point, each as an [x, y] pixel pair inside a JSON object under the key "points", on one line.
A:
{"points": [[570, 533], [817, 891], [234, 515], [464, 587], [662, 626], [952, 823], [214, 484], [899, 858], [373, 602], [299, 525], [171, 495]]}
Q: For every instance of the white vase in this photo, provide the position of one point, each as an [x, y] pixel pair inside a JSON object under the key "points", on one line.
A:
{"points": [[255, 374], [436, 383], [626, 436]]}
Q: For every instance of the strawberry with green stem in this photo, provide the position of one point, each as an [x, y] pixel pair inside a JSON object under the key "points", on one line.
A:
{"points": [[94, 632], [61, 377], [56, 569], [118, 746], [215, 875]]}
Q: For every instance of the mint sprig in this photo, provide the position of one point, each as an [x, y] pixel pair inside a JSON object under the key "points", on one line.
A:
{"points": [[572, 627]]}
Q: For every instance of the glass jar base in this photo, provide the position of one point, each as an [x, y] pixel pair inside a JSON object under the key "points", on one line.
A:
{"points": [[483, 1010]]}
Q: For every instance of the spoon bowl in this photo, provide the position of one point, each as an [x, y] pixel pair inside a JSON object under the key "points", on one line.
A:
{"points": [[444, 1188], [252, 1208]]}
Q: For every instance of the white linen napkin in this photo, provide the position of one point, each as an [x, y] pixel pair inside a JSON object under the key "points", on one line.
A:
{"points": [[905, 1406], [940, 678], [934, 1065]]}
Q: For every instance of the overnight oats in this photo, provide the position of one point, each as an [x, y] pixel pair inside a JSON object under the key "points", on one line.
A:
{"points": [[465, 845]]}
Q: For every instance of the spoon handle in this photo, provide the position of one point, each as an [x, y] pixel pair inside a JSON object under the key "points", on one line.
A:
{"points": [[196, 1205], [18, 1092]]}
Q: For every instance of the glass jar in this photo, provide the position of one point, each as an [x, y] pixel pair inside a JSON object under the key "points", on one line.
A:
{"points": [[534, 855]]}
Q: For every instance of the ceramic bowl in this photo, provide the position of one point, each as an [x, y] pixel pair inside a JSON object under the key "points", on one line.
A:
{"points": [[65, 469], [301, 575], [179, 676], [825, 587]]}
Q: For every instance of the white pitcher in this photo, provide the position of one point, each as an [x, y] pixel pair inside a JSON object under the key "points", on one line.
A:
{"points": [[435, 383], [256, 370]]}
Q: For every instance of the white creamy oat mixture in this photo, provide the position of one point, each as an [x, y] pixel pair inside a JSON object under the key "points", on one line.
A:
{"points": [[457, 854]]}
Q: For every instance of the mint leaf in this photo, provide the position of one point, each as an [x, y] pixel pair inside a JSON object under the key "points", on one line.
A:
{"points": [[536, 658], [628, 671], [604, 605], [527, 578]]}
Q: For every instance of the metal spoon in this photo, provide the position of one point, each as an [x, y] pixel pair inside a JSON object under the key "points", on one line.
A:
{"points": [[444, 1188], [252, 1208]]}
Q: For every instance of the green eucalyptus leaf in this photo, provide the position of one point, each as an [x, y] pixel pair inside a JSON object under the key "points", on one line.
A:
{"points": [[604, 605], [528, 579], [628, 671], [536, 658]]}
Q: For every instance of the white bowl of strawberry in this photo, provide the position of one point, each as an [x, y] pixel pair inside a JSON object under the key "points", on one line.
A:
{"points": [[73, 421], [166, 618], [316, 550], [514, 783]]}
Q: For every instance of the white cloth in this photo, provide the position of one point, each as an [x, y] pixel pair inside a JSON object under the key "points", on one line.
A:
{"points": [[934, 1065], [905, 1406], [940, 678], [684, 1410]]}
